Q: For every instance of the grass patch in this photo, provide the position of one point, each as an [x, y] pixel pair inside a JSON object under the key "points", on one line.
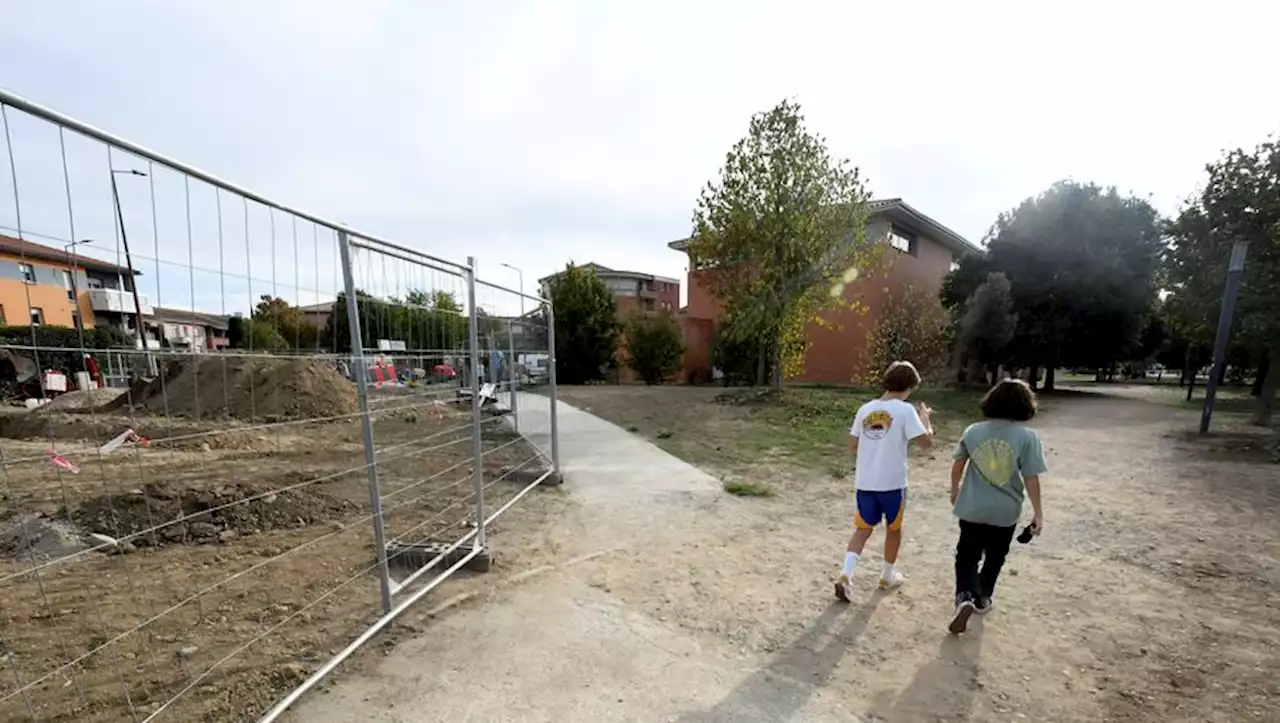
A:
{"points": [[810, 426], [748, 489]]}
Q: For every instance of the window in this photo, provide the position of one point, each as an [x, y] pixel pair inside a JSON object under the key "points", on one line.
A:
{"points": [[75, 320], [69, 284], [902, 240], [648, 304], [28, 273], [37, 316]]}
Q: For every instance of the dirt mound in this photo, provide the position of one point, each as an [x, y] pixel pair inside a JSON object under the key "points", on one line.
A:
{"points": [[261, 389], [84, 400], [140, 509]]}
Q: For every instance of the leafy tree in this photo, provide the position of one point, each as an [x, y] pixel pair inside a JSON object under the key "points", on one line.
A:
{"points": [[914, 326], [1240, 202], [261, 336], [783, 225], [287, 320], [436, 325], [586, 318], [655, 346], [1082, 262], [987, 325]]}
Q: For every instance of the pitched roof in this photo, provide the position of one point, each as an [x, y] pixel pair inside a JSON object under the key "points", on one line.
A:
{"points": [[186, 316], [33, 250], [606, 271], [898, 210]]}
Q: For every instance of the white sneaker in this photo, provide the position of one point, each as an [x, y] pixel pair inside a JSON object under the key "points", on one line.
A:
{"points": [[844, 588], [893, 582]]}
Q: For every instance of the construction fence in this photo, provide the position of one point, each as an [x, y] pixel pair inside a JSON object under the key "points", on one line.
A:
{"points": [[311, 429]]}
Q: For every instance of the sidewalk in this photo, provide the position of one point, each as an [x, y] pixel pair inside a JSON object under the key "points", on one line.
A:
{"points": [[558, 646]]}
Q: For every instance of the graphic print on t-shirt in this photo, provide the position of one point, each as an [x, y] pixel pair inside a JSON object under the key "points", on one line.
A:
{"points": [[995, 461], [876, 424]]}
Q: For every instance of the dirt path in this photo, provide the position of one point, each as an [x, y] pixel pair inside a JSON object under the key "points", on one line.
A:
{"points": [[1151, 596]]}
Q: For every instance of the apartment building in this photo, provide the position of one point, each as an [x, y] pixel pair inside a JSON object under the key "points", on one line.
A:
{"points": [[47, 285]]}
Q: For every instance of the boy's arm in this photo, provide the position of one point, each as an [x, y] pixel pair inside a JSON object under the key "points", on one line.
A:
{"points": [[922, 433], [1033, 492], [957, 473]]}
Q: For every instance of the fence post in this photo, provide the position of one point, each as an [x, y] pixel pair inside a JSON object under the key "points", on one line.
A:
{"points": [[551, 371], [477, 444], [366, 424], [512, 383]]}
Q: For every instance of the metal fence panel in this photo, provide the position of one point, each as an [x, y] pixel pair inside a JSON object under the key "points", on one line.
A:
{"points": [[295, 432]]}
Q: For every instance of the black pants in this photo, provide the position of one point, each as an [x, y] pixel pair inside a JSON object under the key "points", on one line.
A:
{"points": [[979, 541]]}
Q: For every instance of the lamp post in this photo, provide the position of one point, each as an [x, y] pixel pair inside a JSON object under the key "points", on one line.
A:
{"points": [[124, 239], [1235, 269], [520, 275], [69, 249]]}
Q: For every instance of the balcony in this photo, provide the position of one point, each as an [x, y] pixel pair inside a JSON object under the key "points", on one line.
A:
{"points": [[114, 301]]}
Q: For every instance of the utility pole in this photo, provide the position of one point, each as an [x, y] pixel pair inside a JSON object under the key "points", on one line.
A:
{"points": [[1235, 269], [133, 281]]}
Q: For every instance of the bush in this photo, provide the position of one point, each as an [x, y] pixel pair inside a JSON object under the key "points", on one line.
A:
{"points": [[59, 346], [735, 358], [911, 326], [655, 348]]}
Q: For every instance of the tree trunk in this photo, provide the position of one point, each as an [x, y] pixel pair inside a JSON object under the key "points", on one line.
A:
{"points": [[1033, 373], [1267, 395], [777, 364], [1049, 377], [976, 373], [760, 364], [1263, 366]]}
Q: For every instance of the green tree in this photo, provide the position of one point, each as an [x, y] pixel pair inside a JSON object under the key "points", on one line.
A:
{"points": [[1082, 262], [586, 318], [784, 225], [655, 346], [987, 326], [422, 320], [287, 320], [1240, 202]]}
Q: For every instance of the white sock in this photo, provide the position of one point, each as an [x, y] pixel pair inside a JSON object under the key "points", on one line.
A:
{"points": [[887, 572], [850, 559]]}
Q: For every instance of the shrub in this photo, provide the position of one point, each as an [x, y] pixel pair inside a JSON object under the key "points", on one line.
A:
{"points": [[655, 348], [912, 326]]}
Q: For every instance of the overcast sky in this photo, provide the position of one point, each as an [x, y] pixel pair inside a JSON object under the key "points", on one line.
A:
{"points": [[534, 133]]}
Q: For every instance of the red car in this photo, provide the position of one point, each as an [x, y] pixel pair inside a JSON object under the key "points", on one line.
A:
{"points": [[443, 371]]}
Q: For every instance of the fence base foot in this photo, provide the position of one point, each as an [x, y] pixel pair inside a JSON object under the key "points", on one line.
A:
{"points": [[417, 554], [553, 480]]}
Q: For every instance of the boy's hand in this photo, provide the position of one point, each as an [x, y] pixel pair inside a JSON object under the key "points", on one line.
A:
{"points": [[1037, 525], [924, 410], [955, 492]]}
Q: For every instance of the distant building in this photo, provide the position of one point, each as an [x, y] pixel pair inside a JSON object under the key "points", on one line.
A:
{"points": [[633, 290], [191, 330], [42, 285], [317, 315], [923, 252]]}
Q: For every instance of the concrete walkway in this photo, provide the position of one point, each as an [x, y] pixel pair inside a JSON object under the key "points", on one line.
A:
{"points": [[557, 646]]}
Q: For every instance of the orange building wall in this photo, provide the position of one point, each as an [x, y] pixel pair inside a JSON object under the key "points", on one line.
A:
{"points": [[839, 355], [836, 355], [49, 298]]}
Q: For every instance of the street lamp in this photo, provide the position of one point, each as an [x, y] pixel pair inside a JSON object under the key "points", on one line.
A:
{"points": [[124, 238], [1235, 269], [69, 249], [520, 274]]}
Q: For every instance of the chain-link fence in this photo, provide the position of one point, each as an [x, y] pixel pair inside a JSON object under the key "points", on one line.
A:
{"points": [[297, 431]]}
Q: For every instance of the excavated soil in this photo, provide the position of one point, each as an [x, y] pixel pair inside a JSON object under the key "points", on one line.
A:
{"points": [[263, 389], [229, 515]]}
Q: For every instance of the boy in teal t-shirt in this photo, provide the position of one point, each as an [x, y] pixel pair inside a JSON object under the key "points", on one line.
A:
{"points": [[1000, 461]]}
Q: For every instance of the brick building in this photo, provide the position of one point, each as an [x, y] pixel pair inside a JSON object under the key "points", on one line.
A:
{"points": [[920, 252]]}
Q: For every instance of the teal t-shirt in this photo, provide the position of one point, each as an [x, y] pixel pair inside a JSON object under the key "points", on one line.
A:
{"points": [[1000, 455]]}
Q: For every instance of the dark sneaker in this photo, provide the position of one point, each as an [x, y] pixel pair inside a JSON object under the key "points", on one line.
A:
{"points": [[964, 610], [984, 605]]}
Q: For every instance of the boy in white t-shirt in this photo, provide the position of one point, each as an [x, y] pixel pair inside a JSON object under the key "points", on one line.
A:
{"points": [[881, 433]]}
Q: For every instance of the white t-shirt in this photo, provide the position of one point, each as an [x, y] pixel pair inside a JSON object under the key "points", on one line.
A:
{"points": [[883, 428]]}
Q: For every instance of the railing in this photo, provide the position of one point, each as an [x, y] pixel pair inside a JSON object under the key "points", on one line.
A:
{"points": [[215, 540]]}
